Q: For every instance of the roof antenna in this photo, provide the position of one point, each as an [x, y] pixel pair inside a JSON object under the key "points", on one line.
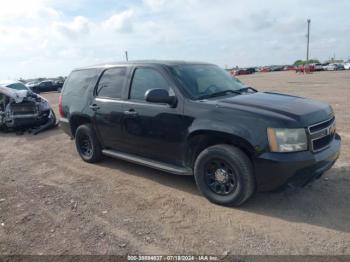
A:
{"points": [[126, 56]]}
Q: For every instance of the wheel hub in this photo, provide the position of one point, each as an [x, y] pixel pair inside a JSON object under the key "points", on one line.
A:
{"points": [[85, 146], [221, 175]]}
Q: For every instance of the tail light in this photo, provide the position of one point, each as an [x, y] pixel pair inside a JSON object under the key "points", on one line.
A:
{"points": [[60, 108]]}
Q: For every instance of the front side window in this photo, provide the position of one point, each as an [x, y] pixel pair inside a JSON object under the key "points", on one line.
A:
{"points": [[145, 79], [112, 82]]}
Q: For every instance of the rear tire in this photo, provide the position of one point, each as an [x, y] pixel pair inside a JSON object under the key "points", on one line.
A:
{"points": [[224, 175], [87, 144], [54, 119]]}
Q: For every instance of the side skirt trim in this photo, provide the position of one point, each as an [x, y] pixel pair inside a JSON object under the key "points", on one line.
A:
{"points": [[147, 162]]}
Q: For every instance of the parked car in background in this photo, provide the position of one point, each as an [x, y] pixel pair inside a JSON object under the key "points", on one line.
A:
{"points": [[330, 67], [319, 67], [264, 70], [31, 84], [289, 68], [347, 65], [276, 68], [47, 86], [241, 72], [333, 67], [195, 119], [340, 67], [251, 70], [59, 82]]}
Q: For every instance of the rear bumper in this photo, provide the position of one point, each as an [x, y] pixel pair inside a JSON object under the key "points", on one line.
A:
{"points": [[65, 126], [273, 170]]}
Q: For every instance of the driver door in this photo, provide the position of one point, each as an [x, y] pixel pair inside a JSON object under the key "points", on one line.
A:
{"points": [[154, 131]]}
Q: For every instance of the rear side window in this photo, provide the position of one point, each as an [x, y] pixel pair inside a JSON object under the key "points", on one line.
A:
{"points": [[112, 82], [79, 81], [145, 79]]}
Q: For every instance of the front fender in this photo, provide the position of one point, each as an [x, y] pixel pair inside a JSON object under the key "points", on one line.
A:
{"points": [[235, 130]]}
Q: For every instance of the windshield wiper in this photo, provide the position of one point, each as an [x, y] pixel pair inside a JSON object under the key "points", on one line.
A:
{"points": [[247, 89], [221, 93]]}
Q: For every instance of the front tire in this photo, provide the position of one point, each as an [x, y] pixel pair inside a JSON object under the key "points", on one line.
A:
{"points": [[224, 175], [87, 144]]}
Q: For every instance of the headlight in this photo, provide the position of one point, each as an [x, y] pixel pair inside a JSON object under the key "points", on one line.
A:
{"points": [[287, 140]]}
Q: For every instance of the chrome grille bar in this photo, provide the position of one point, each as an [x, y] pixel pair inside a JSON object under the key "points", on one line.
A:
{"points": [[321, 134]]}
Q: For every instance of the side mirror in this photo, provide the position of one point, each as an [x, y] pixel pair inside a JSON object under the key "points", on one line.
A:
{"points": [[160, 96]]}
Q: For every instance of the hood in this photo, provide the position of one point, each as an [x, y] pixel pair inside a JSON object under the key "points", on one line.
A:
{"points": [[301, 110], [17, 95]]}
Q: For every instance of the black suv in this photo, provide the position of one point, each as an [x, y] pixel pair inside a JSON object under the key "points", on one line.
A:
{"points": [[195, 119], [47, 86]]}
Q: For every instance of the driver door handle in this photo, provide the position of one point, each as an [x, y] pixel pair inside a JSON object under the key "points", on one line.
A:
{"points": [[94, 107], [131, 113]]}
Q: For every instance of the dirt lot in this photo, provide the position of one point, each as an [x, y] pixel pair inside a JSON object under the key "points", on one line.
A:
{"points": [[51, 202]]}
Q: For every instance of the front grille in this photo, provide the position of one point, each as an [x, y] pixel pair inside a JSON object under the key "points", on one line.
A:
{"points": [[24, 108], [321, 125], [322, 134]]}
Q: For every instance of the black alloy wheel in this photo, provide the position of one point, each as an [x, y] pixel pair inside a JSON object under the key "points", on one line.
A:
{"points": [[87, 144], [224, 175], [220, 176]]}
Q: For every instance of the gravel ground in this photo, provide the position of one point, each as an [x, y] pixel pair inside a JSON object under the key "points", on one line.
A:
{"points": [[51, 202]]}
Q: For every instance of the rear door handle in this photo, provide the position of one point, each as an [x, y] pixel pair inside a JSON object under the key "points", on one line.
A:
{"points": [[94, 107], [131, 113]]}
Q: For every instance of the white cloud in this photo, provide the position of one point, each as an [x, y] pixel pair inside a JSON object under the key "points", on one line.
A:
{"points": [[50, 37], [26, 12], [80, 26], [17, 7], [155, 4], [121, 22]]}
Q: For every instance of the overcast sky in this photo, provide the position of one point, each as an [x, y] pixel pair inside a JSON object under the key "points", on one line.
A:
{"points": [[49, 38]]}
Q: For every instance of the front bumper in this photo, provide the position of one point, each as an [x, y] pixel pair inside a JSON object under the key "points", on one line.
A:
{"points": [[27, 120], [273, 170]]}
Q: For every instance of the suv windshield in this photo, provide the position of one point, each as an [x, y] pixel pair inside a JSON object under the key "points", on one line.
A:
{"points": [[205, 81]]}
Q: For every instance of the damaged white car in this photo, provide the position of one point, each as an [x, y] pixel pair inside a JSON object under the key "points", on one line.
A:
{"points": [[21, 109]]}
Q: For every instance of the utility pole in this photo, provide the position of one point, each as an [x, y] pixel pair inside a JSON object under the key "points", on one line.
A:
{"points": [[308, 40], [126, 55]]}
